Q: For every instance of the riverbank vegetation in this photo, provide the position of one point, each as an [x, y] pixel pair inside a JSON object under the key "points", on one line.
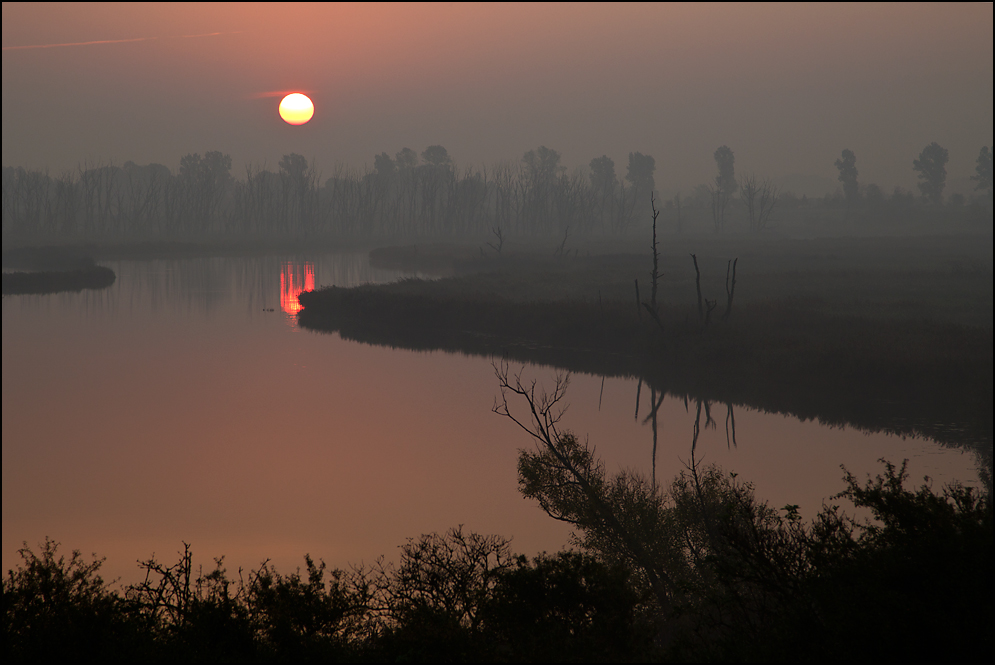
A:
{"points": [[702, 570], [888, 334]]}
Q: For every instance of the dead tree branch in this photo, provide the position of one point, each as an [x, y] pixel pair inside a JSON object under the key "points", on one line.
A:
{"points": [[697, 284], [730, 290]]}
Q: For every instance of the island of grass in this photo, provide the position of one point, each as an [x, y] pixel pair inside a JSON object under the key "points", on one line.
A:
{"points": [[887, 334]]}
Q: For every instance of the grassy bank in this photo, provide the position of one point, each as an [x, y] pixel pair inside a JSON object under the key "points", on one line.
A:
{"points": [[890, 334]]}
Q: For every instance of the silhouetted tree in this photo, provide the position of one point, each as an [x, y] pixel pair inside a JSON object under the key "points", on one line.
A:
{"points": [[300, 192], [406, 159], [873, 196], [437, 156], [56, 609], [847, 167], [602, 174], [204, 182], [984, 171], [725, 181], [725, 185], [931, 167], [901, 198], [384, 165], [640, 173], [542, 185], [571, 485], [749, 190], [604, 183], [451, 574], [542, 163]]}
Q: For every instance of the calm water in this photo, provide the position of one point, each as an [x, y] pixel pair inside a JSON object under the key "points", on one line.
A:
{"points": [[184, 404]]}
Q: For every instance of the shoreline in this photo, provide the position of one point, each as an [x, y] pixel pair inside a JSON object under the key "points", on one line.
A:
{"points": [[811, 358], [57, 281]]}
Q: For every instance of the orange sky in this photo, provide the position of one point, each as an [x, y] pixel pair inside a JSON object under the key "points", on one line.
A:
{"points": [[786, 87]]}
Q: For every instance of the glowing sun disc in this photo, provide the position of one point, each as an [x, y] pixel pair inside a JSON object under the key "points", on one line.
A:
{"points": [[296, 109]]}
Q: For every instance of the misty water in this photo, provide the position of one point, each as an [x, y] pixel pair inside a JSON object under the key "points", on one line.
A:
{"points": [[185, 404]]}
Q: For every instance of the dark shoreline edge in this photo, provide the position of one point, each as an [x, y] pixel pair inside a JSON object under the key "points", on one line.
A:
{"points": [[920, 379], [57, 281]]}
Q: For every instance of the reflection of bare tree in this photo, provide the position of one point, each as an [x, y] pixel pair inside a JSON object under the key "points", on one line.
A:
{"points": [[730, 419], [655, 405], [709, 421], [697, 428], [656, 401]]}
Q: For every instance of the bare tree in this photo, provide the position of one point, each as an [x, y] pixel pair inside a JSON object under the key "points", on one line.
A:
{"points": [[571, 486], [697, 285], [655, 275], [499, 237], [749, 190], [769, 195], [730, 287]]}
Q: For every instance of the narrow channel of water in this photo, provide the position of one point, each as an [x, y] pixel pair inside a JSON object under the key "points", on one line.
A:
{"points": [[184, 404]]}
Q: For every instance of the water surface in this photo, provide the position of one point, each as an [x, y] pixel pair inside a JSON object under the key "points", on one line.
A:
{"points": [[184, 404]]}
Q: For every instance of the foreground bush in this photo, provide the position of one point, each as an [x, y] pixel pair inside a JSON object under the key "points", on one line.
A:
{"points": [[702, 571]]}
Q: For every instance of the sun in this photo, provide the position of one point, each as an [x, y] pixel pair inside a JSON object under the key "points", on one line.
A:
{"points": [[296, 109]]}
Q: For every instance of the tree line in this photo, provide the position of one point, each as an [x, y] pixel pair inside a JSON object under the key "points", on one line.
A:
{"points": [[400, 195], [412, 194]]}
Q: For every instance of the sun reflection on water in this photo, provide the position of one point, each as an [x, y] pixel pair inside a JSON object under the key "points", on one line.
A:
{"points": [[294, 280]]}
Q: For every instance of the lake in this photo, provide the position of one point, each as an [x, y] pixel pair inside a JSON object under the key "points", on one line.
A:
{"points": [[184, 404]]}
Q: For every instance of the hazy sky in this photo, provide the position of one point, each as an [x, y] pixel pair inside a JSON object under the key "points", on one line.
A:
{"points": [[787, 87]]}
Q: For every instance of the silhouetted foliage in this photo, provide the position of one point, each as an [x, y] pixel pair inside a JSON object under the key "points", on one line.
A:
{"points": [[760, 197], [847, 166], [57, 610], [436, 156], [931, 169], [700, 571], [983, 171], [406, 158], [725, 186], [567, 607], [403, 195], [732, 579], [640, 173], [725, 181], [602, 173]]}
